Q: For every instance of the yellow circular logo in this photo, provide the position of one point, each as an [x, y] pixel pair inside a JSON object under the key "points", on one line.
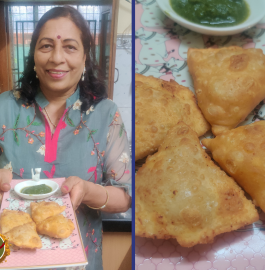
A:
{"points": [[4, 248]]}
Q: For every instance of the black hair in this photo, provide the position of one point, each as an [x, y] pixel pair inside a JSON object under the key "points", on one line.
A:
{"points": [[92, 89]]}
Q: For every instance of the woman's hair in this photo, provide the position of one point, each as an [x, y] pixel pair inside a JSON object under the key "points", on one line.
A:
{"points": [[92, 89]]}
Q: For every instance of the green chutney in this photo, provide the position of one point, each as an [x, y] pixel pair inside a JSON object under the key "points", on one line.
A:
{"points": [[39, 189], [215, 13]]}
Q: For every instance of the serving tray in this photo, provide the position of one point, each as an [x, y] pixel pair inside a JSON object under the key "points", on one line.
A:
{"points": [[55, 253]]}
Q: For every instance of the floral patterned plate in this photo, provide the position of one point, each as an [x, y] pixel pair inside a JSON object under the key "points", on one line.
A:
{"points": [[161, 47]]}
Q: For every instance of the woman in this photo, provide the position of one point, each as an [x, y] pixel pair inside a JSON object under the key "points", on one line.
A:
{"points": [[60, 120]]}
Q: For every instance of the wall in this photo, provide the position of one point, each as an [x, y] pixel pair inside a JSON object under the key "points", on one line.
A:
{"points": [[125, 16], [122, 95]]}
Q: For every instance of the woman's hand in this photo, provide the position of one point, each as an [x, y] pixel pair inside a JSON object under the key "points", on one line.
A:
{"points": [[86, 192], [5, 179], [77, 189]]}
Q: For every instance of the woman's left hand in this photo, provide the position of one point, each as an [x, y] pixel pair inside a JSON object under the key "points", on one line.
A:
{"points": [[77, 189]]}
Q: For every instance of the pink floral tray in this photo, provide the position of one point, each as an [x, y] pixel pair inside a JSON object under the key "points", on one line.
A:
{"points": [[238, 250], [161, 51], [55, 253]]}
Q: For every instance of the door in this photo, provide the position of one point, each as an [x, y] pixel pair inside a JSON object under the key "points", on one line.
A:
{"points": [[5, 63]]}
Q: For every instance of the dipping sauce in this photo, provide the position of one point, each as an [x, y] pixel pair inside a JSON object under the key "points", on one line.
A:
{"points": [[39, 189], [216, 13]]}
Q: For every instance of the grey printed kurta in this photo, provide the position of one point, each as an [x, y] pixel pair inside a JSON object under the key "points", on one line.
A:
{"points": [[92, 145]]}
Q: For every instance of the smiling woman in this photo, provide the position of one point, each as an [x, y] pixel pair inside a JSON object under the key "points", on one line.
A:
{"points": [[59, 61], [60, 119], [72, 54]]}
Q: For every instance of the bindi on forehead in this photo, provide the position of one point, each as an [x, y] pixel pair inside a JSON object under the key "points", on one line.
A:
{"points": [[58, 36]]}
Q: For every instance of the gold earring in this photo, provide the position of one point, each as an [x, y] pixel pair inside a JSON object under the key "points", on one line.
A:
{"points": [[83, 76], [36, 72]]}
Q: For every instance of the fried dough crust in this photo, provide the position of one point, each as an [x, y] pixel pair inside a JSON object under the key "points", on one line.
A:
{"points": [[229, 83], [240, 152], [56, 226], [180, 193], [43, 210], [159, 105], [24, 236], [10, 219]]}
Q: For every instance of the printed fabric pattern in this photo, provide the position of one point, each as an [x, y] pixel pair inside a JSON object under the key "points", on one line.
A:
{"points": [[92, 145]]}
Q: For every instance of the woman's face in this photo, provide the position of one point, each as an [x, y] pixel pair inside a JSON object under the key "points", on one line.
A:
{"points": [[59, 56]]}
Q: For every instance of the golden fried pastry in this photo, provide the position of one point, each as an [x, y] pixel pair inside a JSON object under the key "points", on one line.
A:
{"points": [[160, 105], [11, 218], [43, 210], [56, 226], [180, 193], [24, 236], [229, 83], [240, 152]]}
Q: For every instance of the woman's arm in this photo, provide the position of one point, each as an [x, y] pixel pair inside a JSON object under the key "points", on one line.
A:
{"points": [[113, 195], [118, 199], [96, 196]]}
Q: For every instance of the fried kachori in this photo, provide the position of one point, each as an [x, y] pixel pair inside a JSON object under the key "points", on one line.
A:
{"points": [[10, 219], [159, 105], [240, 152], [229, 83], [42, 210], [56, 226], [180, 193], [24, 236]]}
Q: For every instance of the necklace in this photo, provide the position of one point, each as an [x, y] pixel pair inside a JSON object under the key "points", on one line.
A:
{"points": [[50, 118]]}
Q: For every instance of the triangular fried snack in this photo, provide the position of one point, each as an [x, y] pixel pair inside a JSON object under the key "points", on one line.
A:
{"points": [[11, 218], [180, 193], [240, 152], [229, 83], [24, 236], [43, 210], [159, 105], [56, 226]]}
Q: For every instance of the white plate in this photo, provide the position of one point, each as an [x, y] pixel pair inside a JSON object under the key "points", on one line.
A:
{"points": [[28, 183], [257, 12]]}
